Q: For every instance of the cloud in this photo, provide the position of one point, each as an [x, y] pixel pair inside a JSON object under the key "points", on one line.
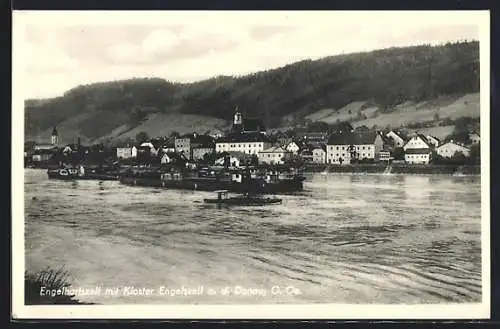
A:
{"points": [[167, 44], [49, 60], [198, 46]]}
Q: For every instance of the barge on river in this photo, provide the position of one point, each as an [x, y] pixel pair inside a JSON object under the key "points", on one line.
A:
{"points": [[244, 200], [217, 178]]}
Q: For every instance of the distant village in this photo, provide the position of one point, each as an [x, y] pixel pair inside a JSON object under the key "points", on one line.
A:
{"points": [[249, 143]]}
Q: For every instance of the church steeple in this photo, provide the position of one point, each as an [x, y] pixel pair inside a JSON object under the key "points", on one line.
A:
{"points": [[237, 121], [55, 136], [237, 117]]}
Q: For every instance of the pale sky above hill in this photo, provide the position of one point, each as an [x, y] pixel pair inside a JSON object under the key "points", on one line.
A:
{"points": [[60, 50]]}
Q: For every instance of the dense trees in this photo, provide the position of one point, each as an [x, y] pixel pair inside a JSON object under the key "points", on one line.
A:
{"points": [[384, 77], [142, 137]]}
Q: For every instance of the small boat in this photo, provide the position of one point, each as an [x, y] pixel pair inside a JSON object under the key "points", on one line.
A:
{"points": [[244, 200]]}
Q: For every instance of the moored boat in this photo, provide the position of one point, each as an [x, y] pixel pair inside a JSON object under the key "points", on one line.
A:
{"points": [[82, 174], [223, 198], [212, 178]]}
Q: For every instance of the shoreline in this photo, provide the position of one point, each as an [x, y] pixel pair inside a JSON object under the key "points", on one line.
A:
{"points": [[396, 169], [460, 170]]}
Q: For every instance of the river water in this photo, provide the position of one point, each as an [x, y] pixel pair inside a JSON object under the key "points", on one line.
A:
{"points": [[345, 239]]}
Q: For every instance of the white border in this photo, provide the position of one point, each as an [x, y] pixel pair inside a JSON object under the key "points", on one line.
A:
{"points": [[309, 311]]}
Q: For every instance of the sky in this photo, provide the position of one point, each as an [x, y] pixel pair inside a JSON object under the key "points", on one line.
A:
{"points": [[61, 50]]}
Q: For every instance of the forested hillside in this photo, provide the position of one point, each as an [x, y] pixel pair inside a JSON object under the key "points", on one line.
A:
{"points": [[382, 78]]}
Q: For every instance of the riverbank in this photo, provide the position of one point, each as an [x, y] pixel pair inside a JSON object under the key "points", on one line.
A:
{"points": [[48, 287], [376, 168], [396, 169]]}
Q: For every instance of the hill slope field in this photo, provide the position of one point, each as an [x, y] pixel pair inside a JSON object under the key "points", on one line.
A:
{"points": [[381, 87]]}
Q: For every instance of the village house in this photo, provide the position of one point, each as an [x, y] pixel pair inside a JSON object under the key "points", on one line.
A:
{"points": [[42, 155], [201, 145], [418, 156], [170, 157], [282, 138], [345, 147], [250, 143], [474, 137], [306, 154], [183, 144], [169, 146], [398, 139], [273, 155], [194, 146], [75, 148], [319, 154], [295, 146], [383, 146], [231, 161], [152, 149], [418, 150], [126, 152], [214, 133], [448, 149], [199, 152], [418, 141]]}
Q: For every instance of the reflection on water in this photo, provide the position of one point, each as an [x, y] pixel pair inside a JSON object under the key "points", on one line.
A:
{"points": [[345, 239]]}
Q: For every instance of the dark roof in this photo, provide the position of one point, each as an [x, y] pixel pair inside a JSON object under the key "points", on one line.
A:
{"points": [[423, 138], [352, 138], [418, 151], [203, 141], [342, 127], [244, 137], [169, 144], [400, 134], [385, 139], [301, 144], [434, 138]]}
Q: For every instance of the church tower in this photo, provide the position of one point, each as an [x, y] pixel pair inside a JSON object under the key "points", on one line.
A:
{"points": [[237, 121], [55, 137]]}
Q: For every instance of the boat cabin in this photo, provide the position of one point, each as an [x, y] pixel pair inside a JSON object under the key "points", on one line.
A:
{"points": [[222, 194]]}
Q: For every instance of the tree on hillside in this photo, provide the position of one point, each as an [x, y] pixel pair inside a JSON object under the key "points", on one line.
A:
{"points": [[175, 134], [141, 137], [400, 74]]}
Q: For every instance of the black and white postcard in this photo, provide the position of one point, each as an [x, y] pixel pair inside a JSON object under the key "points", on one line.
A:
{"points": [[277, 165]]}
